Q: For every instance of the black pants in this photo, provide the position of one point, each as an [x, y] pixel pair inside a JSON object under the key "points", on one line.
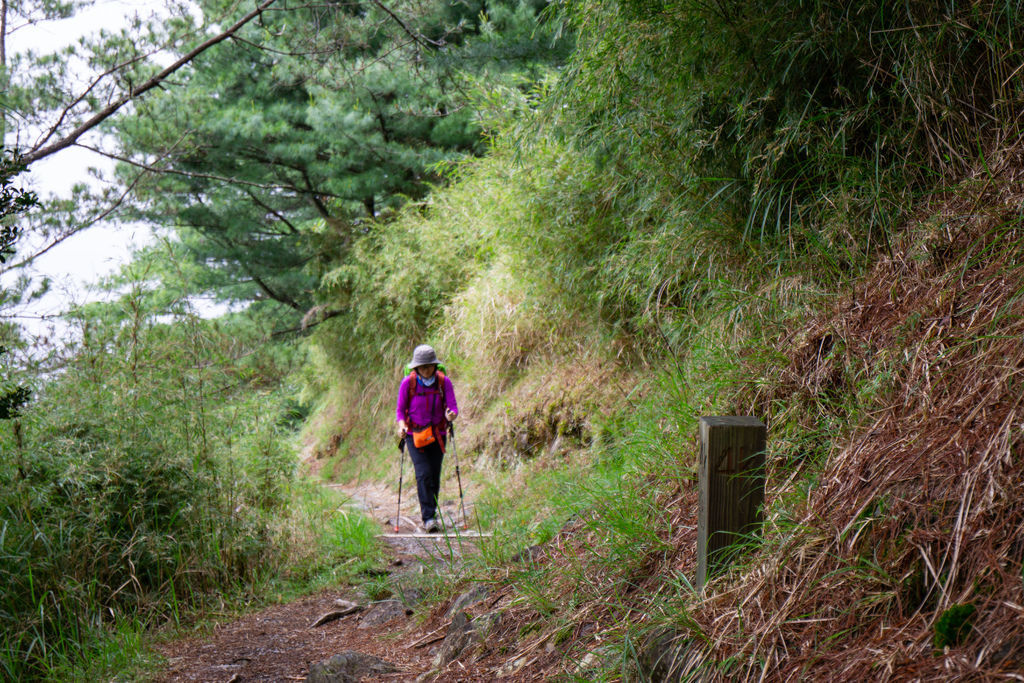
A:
{"points": [[427, 463]]}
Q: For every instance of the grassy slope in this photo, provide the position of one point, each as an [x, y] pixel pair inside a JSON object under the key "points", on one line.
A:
{"points": [[893, 409], [712, 235], [903, 558]]}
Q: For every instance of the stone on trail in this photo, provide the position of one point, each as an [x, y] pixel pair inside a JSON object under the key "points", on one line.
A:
{"points": [[383, 612], [477, 593], [463, 633], [348, 667]]}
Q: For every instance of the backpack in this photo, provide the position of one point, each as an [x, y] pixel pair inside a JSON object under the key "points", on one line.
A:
{"points": [[427, 434]]}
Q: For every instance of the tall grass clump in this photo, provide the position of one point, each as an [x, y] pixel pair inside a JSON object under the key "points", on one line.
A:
{"points": [[437, 272], [149, 474], [394, 288], [700, 139]]}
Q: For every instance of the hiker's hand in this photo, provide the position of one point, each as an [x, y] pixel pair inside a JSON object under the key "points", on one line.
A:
{"points": [[402, 428], [449, 414]]}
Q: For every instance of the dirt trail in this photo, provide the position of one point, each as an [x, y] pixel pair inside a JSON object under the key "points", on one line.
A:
{"points": [[279, 643], [380, 504]]}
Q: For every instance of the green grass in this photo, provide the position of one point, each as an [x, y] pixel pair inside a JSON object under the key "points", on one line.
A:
{"points": [[332, 548], [702, 180]]}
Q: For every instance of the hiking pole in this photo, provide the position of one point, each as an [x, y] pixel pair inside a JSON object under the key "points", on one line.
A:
{"points": [[401, 473], [458, 477]]}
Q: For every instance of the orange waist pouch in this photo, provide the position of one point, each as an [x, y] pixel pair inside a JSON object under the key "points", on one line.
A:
{"points": [[423, 437]]}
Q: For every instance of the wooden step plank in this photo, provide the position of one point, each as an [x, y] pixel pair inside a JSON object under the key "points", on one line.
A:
{"points": [[464, 534]]}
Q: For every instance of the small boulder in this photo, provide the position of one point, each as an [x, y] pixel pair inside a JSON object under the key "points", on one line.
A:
{"points": [[348, 667], [462, 634], [474, 595], [382, 612]]}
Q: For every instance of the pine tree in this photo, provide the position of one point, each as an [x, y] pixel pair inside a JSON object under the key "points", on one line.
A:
{"points": [[273, 156]]}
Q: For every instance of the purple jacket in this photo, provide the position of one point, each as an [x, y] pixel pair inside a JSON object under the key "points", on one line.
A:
{"points": [[427, 407]]}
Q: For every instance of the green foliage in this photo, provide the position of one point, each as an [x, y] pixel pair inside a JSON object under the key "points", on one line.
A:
{"points": [[149, 473], [355, 535], [690, 148], [13, 203], [279, 153], [396, 283], [12, 401], [764, 117], [954, 625]]}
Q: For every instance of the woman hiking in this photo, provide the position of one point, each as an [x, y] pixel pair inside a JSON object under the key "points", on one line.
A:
{"points": [[426, 404]]}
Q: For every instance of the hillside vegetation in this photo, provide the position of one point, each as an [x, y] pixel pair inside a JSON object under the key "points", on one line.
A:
{"points": [[809, 213], [610, 217]]}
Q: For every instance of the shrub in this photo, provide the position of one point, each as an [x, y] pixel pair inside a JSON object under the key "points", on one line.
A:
{"points": [[145, 486]]}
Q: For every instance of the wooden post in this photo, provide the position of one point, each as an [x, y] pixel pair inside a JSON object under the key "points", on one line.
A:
{"points": [[731, 479]]}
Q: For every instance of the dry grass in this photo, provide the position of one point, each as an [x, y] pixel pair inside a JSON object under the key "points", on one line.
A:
{"points": [[920, 510], [553, 407], [913, 512]]}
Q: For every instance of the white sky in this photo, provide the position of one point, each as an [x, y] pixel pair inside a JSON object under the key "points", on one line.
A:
{"points": [[80, 260]]}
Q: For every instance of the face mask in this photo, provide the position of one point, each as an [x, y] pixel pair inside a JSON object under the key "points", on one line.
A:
{"points": [[427, 382]]}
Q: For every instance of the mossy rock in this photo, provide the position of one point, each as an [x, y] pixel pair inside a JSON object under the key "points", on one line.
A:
{"points": [[954, 625]]}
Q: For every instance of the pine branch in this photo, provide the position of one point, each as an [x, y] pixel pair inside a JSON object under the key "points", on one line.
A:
{"points": [[102, 115]]}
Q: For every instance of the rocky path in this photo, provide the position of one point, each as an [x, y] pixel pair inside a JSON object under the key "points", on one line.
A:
{"points": [[280, 643], [369, 640], [408, 543]]}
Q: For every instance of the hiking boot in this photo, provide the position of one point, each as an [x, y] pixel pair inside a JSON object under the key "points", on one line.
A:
{"points": [[431, 526]]}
